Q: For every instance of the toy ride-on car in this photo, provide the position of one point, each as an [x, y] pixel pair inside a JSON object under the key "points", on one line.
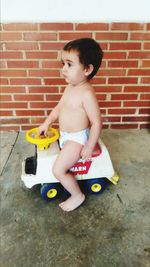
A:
{"points": [[93, 175]]}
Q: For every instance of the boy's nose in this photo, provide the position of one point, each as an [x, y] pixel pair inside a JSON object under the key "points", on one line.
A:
{"points": [[64, 69]]}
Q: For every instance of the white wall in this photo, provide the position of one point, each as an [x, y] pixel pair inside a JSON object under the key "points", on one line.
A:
{"points": [[75, 10]]}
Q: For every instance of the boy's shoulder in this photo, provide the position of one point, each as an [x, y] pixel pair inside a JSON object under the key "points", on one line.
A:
{"points": [[88, 90]]}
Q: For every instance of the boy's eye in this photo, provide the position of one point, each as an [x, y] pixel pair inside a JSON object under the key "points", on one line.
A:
{"points": [[69, 64]]}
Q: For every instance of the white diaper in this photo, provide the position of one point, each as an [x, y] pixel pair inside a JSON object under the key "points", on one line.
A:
{"points": [[79, 137]]}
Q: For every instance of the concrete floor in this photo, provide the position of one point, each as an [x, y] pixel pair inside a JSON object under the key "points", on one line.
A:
{"points": [[109, 230]]}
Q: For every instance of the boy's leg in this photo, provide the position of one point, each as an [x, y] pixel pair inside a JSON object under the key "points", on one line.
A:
{"points": [[68, 156]]}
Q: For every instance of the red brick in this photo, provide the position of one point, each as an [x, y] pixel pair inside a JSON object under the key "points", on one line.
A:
{"points": [[91, 26], [51, 46], [139, 55], [107, 89], [36, 120], [43, 105], [122, 111], [136, 118], [6, 113], [3, 64], [38, 36], [54, 81], [98, 80], [3, 81], [13, 105], [127, 26], [111, 36], [123, 64], [103, 111], [53, 97], [138, 72], [114, 55], [136, 103], [51, 64], [13, 73], [43, 89], [108, 104], [148, 26], [56, 26], [122, 80], [28, 97], [25, 81], [104, 45], [124, 97], [41, 55], [145, 64], [137, 89], [11, 90], [147, 46], [125, 46], [140, 36], [144, 110], [20, 27], [13, 55], [73, 35], [145, 80], [101, 97], [23, 64], [145, 96], [11, 36], [30, 112], [5, 98], [111, 72], [44, 73], [112, 119], [103, 64], [21, 46]]}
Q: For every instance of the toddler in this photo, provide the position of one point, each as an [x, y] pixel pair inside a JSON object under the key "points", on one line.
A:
{"points": [[78, 114]]}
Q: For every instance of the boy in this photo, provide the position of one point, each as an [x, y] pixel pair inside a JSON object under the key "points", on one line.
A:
{"points": [[78, 114]]}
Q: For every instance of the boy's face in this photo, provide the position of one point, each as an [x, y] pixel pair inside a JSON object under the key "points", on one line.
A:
{"points": [[73, 71]]}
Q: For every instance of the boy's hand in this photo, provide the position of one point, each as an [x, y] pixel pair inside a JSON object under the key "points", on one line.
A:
{"points": [[42, 130], [86, 152]]}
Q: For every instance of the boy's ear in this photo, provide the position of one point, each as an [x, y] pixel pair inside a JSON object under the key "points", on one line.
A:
{"points": [[89, 69]]}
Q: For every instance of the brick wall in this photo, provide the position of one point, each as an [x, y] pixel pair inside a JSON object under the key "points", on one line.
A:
{"points": [[31, 82]]}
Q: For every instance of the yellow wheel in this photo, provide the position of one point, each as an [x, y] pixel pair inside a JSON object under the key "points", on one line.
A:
{"points": [[96, 186], [42, 143], [50, 192]]}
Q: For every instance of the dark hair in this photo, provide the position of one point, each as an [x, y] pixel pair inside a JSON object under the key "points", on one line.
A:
{"points": [[90, 52]]}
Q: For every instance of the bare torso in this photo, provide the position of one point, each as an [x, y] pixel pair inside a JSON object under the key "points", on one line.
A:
{"points": [[72, 116]]}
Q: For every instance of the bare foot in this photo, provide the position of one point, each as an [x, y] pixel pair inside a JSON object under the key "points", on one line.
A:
{"points": [[72, 202]]}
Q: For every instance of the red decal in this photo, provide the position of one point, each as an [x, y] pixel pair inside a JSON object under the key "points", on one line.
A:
{"points": [[81, 168]]}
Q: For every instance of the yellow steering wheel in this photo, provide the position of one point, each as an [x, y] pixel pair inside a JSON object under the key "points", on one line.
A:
{"points": [[42, 142]]}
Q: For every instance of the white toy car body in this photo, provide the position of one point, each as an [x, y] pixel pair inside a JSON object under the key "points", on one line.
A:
{"points": [[38, 169]]}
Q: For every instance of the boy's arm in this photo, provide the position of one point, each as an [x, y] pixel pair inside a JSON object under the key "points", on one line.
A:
{"points": [[93, 112], [53, 116]]}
